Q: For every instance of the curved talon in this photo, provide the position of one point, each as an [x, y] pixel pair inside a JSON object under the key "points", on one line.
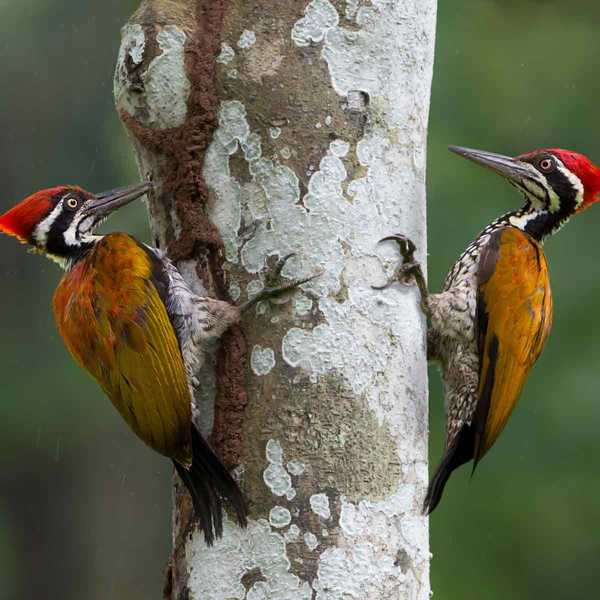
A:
{"points": [[276, 273], [400, 239], [407, 246], [271, 290], [410, 269]]}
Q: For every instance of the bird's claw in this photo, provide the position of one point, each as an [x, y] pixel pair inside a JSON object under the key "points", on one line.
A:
{"points": [[407, 246], [274, 275], [409, 268], [274, 288], [409, 271]]}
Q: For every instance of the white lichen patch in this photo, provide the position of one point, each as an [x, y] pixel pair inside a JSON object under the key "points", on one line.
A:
{"points": [[277, 479], [358, 572], [227, 54], [247, 39], [339, 148], [302, 305], [166, 85], [280, 517], [255, 549], [275, 132], [275, 476], [225, 212], [262, 360], [319, 17], [311, 541], [296, 467], [319, 504], [274, 452], [292, 534], [352, 520], [134, 42]]}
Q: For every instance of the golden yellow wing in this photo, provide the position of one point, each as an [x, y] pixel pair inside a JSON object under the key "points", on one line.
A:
{"points": [[116, 326], [514, 316]]}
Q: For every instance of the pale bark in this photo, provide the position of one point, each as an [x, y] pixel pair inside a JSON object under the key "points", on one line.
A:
{"points": [[319, 148]]}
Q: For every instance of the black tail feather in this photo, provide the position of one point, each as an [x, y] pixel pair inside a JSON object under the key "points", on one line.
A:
{"points": [[210, 485], [456, 455]]}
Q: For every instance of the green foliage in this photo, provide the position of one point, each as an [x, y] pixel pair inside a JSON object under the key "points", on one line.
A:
{"points": [[85, 506]]}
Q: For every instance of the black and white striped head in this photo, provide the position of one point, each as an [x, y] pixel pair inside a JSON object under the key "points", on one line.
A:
{"points": [[556, 185], [61, 221]]}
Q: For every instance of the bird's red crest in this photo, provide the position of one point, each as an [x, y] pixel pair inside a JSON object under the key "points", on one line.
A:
{"points": [[21, 220], [586, 170]]}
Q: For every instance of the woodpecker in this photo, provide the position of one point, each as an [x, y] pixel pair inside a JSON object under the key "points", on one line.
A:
{"points": [[128, 317], [488, 325]]}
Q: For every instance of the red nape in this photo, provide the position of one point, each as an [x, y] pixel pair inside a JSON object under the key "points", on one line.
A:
{"points": [[21, 220], [586, 170]]}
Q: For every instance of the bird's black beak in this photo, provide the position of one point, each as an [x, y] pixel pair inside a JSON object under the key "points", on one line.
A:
{"points": [[514, 170], [107, 202]]}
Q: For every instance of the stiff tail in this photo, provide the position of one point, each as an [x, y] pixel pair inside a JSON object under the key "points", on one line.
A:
{"points": [[210, 485], [456, 455]]}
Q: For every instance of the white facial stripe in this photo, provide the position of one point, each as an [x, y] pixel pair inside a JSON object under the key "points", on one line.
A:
{"points": [[40, 233], [70, 235], [573, 180]]}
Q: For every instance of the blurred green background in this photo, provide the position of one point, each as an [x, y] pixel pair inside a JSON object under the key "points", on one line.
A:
{"points": [[84, 507]]}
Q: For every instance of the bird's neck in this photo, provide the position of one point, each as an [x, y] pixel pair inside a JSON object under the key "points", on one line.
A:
{"points": [[69, 256], [538, 223]]}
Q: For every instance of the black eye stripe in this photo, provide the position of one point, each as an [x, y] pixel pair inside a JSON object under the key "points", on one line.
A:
{"points": [[55, 242]]}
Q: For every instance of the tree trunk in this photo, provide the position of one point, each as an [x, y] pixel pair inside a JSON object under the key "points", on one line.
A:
{"points": [[273, 127]]}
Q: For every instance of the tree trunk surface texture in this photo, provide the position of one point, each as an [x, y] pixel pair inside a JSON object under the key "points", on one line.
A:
{"points": [[272, 127]]}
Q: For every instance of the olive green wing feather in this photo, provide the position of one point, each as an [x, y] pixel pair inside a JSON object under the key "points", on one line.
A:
{"points": [[116, 325]]}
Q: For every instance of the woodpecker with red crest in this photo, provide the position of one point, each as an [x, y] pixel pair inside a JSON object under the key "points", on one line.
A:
{"points": [[488, 325], [128, 317]]}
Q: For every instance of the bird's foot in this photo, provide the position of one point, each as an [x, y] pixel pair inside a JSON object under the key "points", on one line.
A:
{"points": [[409, 271], [274, 288]]}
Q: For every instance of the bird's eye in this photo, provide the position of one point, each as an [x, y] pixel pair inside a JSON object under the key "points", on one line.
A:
{"points": [[72, 203], [547, 164]]}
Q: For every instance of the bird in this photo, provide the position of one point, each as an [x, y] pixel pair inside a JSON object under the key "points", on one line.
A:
{"points": [[128, 317], [488, 325]]}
